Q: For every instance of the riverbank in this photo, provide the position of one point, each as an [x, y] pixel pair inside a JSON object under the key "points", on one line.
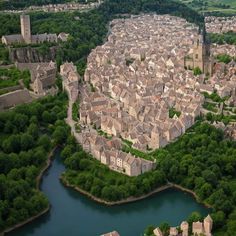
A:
{"points": [[38, 181], [192, 193], [125, 201], [133, 199]]}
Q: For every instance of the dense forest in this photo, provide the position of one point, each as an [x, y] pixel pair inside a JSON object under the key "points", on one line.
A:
{"points": [[89, 29], [201, 160], [16, 4], [28, 134]]}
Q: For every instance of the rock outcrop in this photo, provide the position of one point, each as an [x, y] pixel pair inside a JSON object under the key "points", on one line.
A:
{"points": [[32, 55]]}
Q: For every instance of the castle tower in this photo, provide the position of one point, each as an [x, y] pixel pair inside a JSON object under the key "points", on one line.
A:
{"points": [[208, 222], [184, 227], [25, 28]]}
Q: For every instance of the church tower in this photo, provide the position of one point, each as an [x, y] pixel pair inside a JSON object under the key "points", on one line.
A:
{"points": [[25, 28], [201, 55]]}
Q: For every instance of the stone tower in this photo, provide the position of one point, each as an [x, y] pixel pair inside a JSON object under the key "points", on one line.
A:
{"points": [[25, 28], [201, 56], [199, 52], [208, 222], [184, 227]]}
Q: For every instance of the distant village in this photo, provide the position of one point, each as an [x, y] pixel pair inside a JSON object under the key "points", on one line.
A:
{"points": [[64, 7], [219, 25]]}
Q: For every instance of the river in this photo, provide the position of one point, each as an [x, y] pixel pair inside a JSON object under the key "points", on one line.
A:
{"points": [[72, 214]]}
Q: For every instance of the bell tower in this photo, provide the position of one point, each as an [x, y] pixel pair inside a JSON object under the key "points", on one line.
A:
{"points": [[25, 28]]}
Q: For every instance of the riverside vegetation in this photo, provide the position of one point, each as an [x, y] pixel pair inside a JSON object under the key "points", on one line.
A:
{"points": [[202, 160], [28, 134]]}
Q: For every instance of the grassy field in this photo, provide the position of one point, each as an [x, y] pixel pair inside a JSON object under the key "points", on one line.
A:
{"points": [[212, 6]]}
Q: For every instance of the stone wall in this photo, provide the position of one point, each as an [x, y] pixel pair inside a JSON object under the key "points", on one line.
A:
{"points": [[29, 54], [14, 98]]}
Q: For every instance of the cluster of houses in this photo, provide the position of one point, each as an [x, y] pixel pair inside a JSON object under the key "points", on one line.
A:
{"points": [[26, 38], [72, 6], [43, 77], [139, 77], [137, 86], [220, 25], [224, 49], [198, 228], [224, 80], [42, 82]]}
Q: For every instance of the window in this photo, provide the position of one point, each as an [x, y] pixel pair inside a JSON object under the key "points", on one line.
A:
{"points": [[196, 56]]}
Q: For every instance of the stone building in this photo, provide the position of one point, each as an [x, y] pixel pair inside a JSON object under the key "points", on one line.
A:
{"points": [[198, 228], [200, 56], [70, 80], [26, 38], [43, 77]]}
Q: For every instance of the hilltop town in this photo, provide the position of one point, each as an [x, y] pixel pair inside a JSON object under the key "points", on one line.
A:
{"points": [[139, 89], [62, 7], [151, 97]]}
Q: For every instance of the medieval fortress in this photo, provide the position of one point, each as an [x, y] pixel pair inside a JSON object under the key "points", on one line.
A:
{"points": [[27, 38]]}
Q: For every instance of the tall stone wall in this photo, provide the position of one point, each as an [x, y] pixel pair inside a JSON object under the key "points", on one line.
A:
{"points": [[29, 54]]}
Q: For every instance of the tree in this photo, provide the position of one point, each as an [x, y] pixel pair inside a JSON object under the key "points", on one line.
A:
{"points": [[47, 117], [33, 130], [149, 231], [59, 135], [27, 142], [194, 217], [165, 227], [45, 142], [197, 71]]}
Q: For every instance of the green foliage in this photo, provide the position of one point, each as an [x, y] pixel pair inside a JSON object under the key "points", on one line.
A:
{"points": [[165, 228], [75, 111], [225, 38], [149, 231], [97, 179], [225, 58], [136, 152], [197, 71], [210, 106], [25, 143], [214, 97], [173, 112], [4, 55], [10, 77]]}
